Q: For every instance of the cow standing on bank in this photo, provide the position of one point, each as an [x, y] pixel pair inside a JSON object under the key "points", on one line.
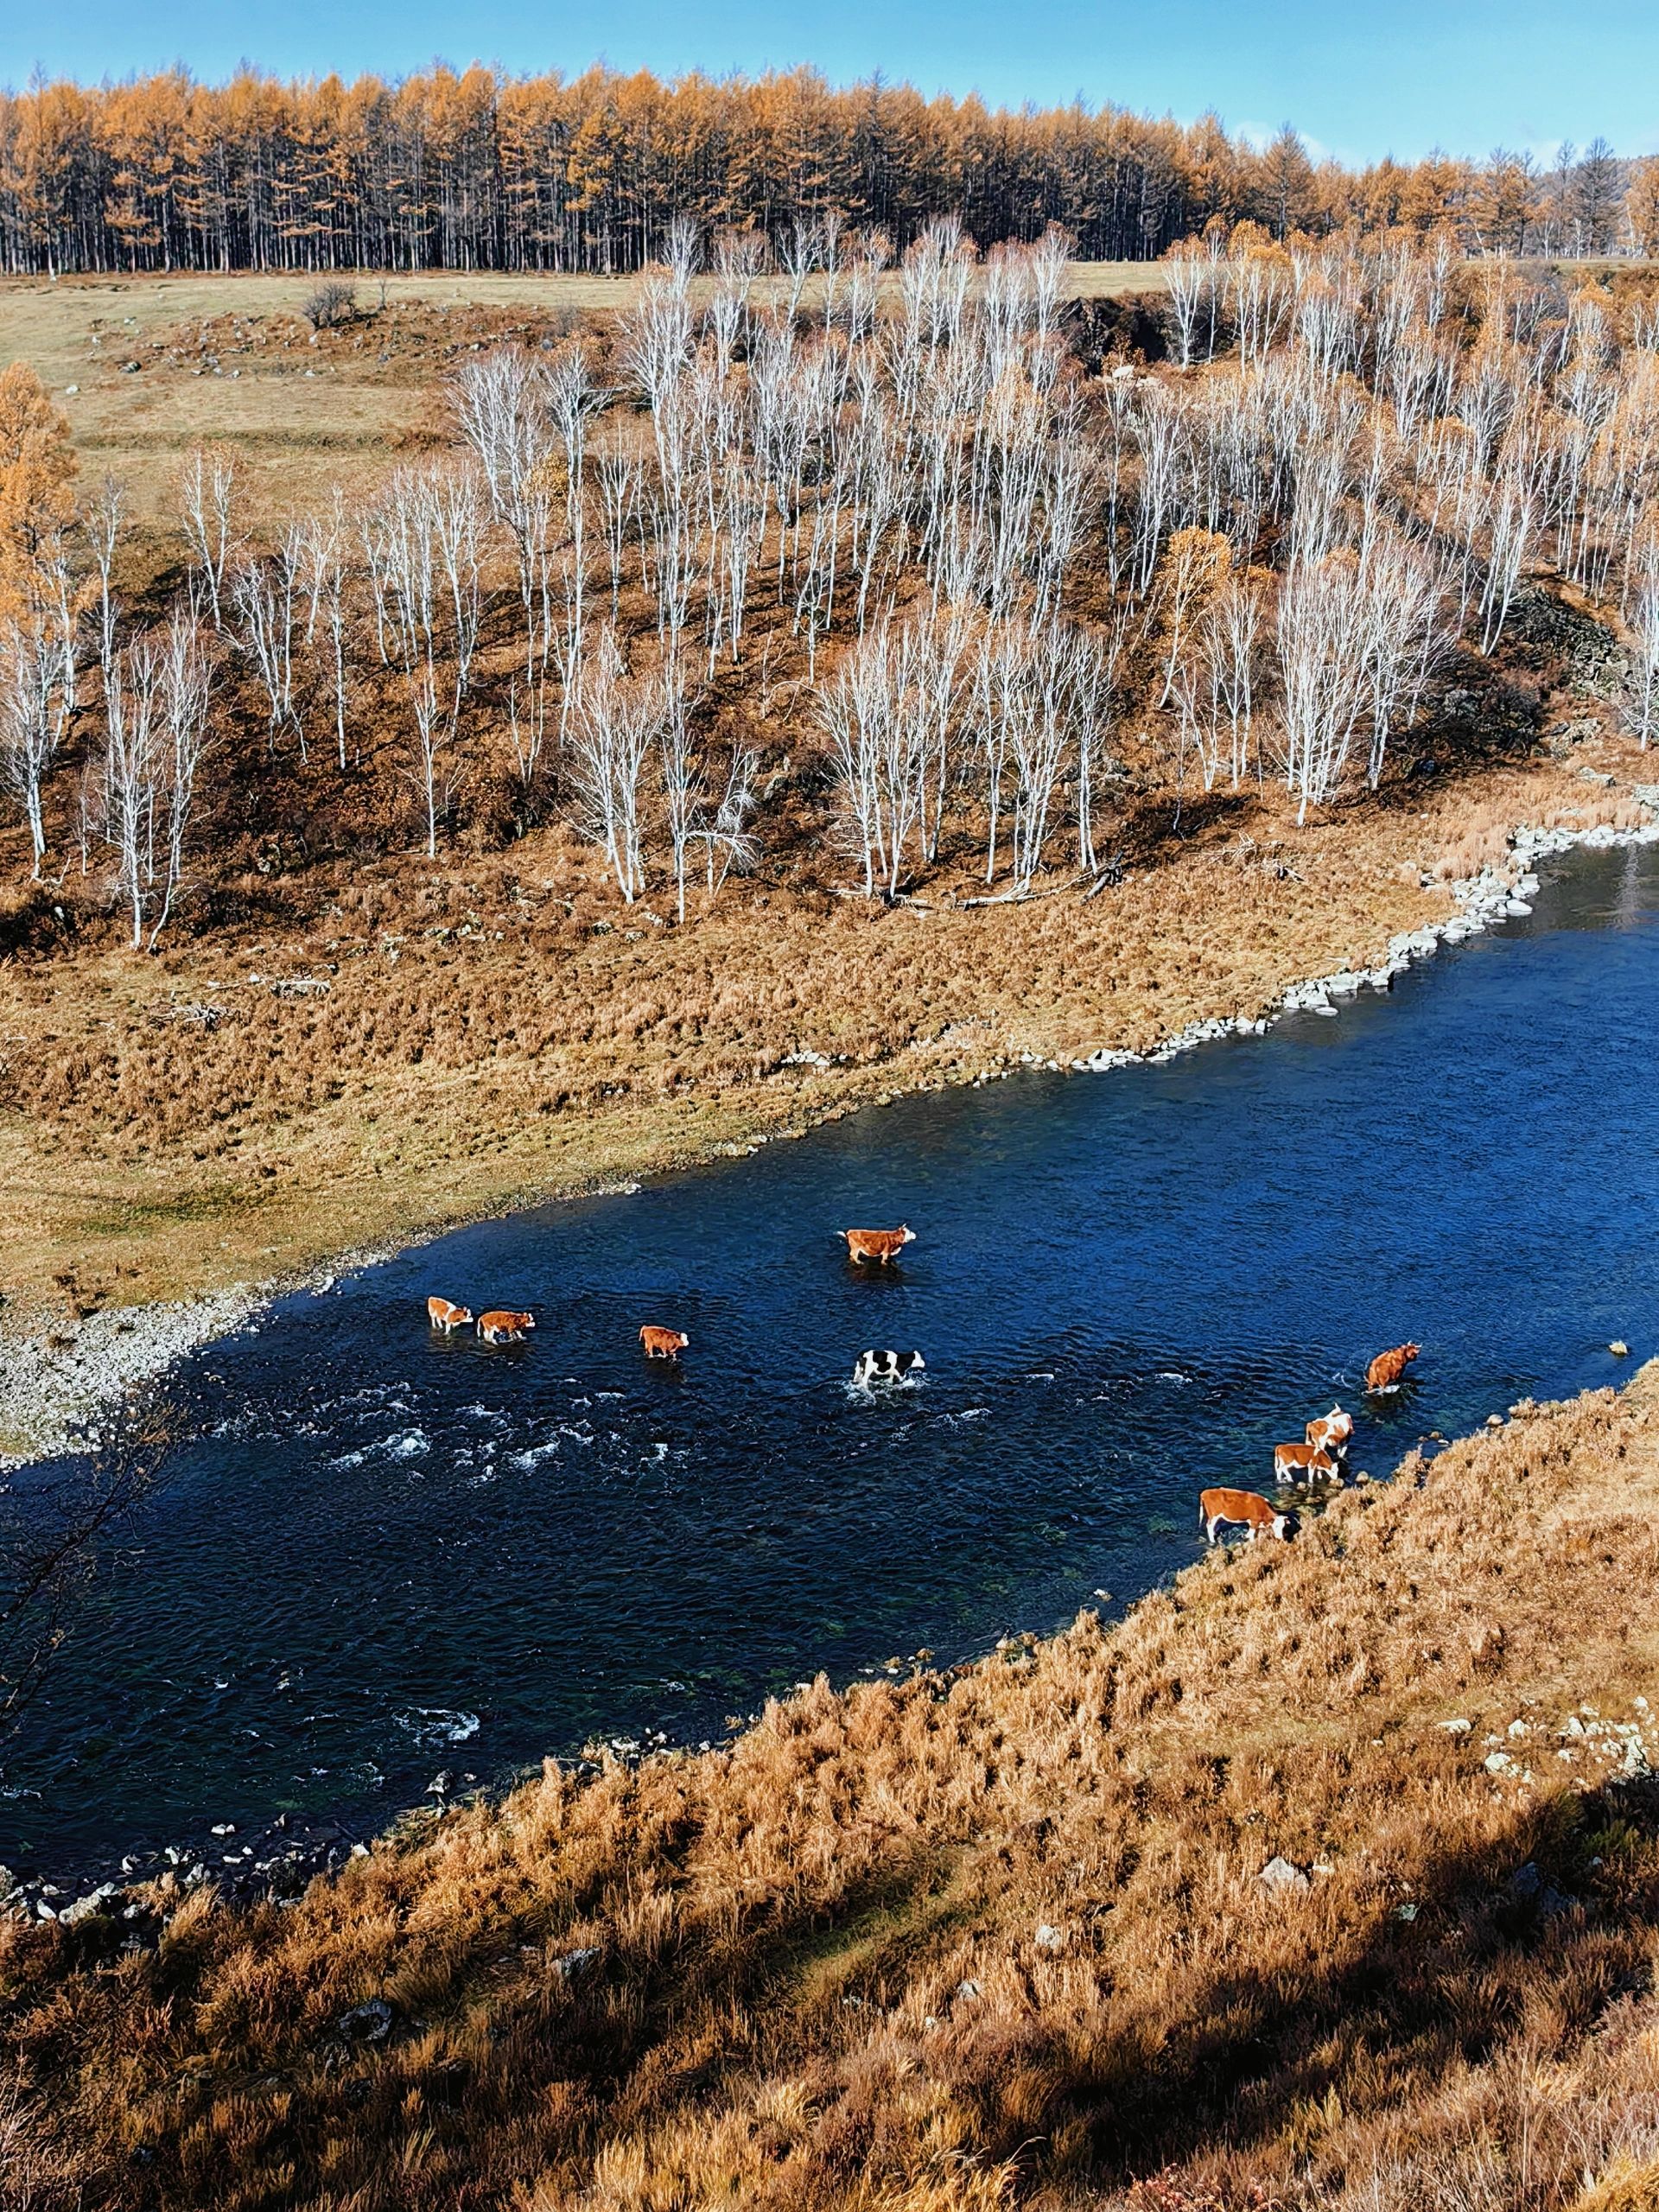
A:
{"points": [[1247, 1508]]}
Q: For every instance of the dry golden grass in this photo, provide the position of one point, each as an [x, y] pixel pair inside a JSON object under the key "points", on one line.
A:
{"points": [[1631, 2190], [948, 1942], [293, 436]]}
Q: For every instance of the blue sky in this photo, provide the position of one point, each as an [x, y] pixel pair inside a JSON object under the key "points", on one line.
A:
{"points": [[1358, 82]]}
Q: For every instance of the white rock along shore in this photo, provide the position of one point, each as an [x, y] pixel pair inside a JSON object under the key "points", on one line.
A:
{"points": [[1486, 902]]}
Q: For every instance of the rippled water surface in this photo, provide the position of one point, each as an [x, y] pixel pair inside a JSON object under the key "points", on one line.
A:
{"points": [[388, 1554]]}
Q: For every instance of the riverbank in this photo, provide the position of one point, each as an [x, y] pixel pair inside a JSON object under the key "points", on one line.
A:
{"points": [[1329, 1877], [204, 1135]]}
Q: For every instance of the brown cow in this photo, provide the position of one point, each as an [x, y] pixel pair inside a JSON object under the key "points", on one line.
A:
{"points": [[502, 1326], [883, 1246], [442, 1314], [1302, 1463], [663, 1344], [1331, 1432], [1218, 1508], [1385, 1370]]}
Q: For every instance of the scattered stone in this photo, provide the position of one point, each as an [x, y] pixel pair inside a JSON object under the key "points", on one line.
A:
{"points": [[84, 1908], [1047, 1938], [1619, 1348], [1283, 1879], [1455, 1727], [574, 1964], [968, 1991], [370, 2022], [1407, 1911], [1527, 1886]]}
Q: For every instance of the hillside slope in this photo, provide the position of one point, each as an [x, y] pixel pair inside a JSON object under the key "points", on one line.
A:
{"points": [[998, 1936]]}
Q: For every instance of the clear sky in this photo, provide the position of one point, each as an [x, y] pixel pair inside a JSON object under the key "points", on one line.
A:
{"points": [[1358, 81]]}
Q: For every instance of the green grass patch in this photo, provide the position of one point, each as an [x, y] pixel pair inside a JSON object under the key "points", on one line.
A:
{"points": [[137, 1216]]}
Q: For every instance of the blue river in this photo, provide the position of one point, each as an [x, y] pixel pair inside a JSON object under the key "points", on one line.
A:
{"points": [[379, 1557]]}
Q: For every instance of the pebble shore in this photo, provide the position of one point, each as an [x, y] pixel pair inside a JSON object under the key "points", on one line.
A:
{"points": [[53, 1389]]}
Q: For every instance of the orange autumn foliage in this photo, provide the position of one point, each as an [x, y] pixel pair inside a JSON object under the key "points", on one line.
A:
{"points": [[37, 469]]}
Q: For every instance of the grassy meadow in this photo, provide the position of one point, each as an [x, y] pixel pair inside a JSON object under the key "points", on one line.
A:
{"points": [[369, 390]]}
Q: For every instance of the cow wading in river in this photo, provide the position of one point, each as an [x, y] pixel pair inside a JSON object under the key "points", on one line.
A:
{"points": [[1385, 1371], [1331, 1432], [876, 1247], [663, 1344], [1303, 1463], [501, 1325]]}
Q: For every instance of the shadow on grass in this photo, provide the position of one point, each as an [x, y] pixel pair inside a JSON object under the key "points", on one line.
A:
{"points": [[1559, 1915], [1229, 2064]]}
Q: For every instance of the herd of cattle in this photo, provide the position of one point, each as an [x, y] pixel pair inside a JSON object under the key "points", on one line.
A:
{"points": [[503, 1325], [1320, 1456]]}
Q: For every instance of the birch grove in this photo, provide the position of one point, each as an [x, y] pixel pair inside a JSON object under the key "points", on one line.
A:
{"points": [[156, 731], [36, 695], [863, 527]]}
